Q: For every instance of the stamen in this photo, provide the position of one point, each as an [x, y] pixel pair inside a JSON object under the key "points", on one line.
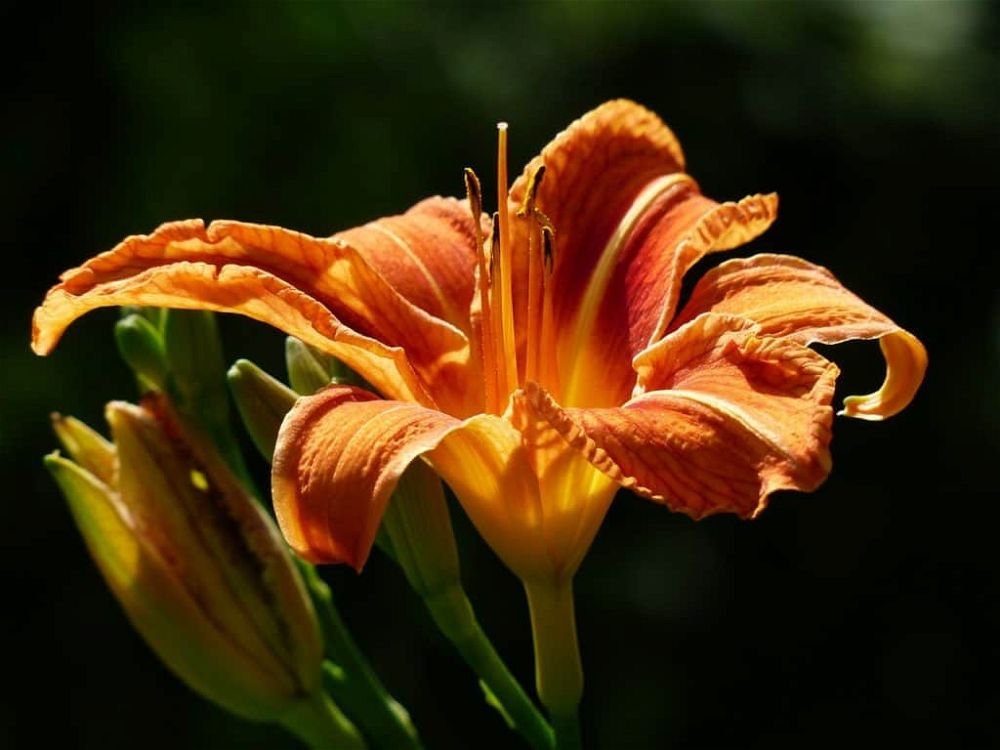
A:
{"points": [[548, 373], [474, 193], [534, 353], [528, 204], [494, 251], [548, 236], [496, 313]]}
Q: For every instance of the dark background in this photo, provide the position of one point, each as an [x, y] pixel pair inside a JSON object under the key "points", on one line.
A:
{"points": [[863, 612]]}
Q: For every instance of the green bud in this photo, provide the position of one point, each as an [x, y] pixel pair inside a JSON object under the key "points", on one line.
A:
{"points": [[262, 402], [197, 368], [344, 375], [155, 315], [308, 370], [198, 566], [141, 346], [418, 528]]}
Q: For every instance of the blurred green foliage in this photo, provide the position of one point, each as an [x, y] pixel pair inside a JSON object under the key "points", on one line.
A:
{"points": [[859, 611]]}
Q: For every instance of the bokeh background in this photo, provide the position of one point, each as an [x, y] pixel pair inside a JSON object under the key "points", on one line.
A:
{"points": [[865, 611]]}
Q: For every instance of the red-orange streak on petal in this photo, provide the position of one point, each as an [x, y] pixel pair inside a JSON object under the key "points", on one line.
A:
{"points": [[429, 258], [341, 452], [792, 298], [742, 417], [593, 171], [320, 290], [677, 230]]}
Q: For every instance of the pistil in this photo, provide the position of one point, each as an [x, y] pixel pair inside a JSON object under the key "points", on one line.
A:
{"points": [[507, 364]]}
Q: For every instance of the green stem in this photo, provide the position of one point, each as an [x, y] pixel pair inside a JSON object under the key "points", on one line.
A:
{"points": [[453, 614], [558, 672], [567, 730], [355, 686], [320, 724]]}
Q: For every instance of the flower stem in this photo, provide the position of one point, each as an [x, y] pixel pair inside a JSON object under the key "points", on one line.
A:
{"points": [[318, 722], [453, 614], [353, 684], [558, 673]]}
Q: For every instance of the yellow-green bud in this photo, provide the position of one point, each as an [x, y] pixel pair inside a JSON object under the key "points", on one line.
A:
{"points": [[418, 528], [262, 401], [200, 569], [308, 370]]}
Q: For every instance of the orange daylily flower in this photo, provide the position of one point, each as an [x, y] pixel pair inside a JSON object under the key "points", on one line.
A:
{"points": [[537, 361]]}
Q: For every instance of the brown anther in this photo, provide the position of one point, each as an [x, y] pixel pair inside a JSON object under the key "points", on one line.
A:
{"points": [[474, 193], [531, 193], [548, 234], [494, 244]]}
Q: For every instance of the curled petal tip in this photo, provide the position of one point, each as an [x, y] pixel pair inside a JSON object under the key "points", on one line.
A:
{"points": [[906, 363]]}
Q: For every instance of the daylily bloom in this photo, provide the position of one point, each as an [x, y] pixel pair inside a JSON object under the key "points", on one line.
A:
{"points": [[537, 361]]}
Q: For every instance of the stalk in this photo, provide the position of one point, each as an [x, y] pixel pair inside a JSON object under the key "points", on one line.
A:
{"points": [[558, 672]]}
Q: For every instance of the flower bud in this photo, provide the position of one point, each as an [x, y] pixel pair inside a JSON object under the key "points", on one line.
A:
{"points": [[199, 568], [308, 370], [141, 346], [197, 368], [418, 528], [86, 447], [262, 401]]}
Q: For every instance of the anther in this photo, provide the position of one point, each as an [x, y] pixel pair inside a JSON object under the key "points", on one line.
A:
{"points": [[528, 205], [494, 245], [474, 193], [548, 257]]}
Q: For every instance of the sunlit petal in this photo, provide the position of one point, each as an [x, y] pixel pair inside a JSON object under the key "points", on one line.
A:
{"points": [[321, 291], [792, 298], [631, 306], [594, 171], [428, 255], [744, 416], [341, 452]]}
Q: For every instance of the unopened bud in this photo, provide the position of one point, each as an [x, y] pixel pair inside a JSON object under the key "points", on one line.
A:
{"points": [[262, 401], [198, 566], [141, 346], [197, 368], [308, 370], [418, 528], [86, 447]]}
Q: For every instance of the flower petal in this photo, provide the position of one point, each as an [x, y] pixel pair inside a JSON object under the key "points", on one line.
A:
{"points": [[341, 452], [639, 295], [797, 300], [321, 291], [744, 416], [593, 172], [428, 255], [628, 224]]}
